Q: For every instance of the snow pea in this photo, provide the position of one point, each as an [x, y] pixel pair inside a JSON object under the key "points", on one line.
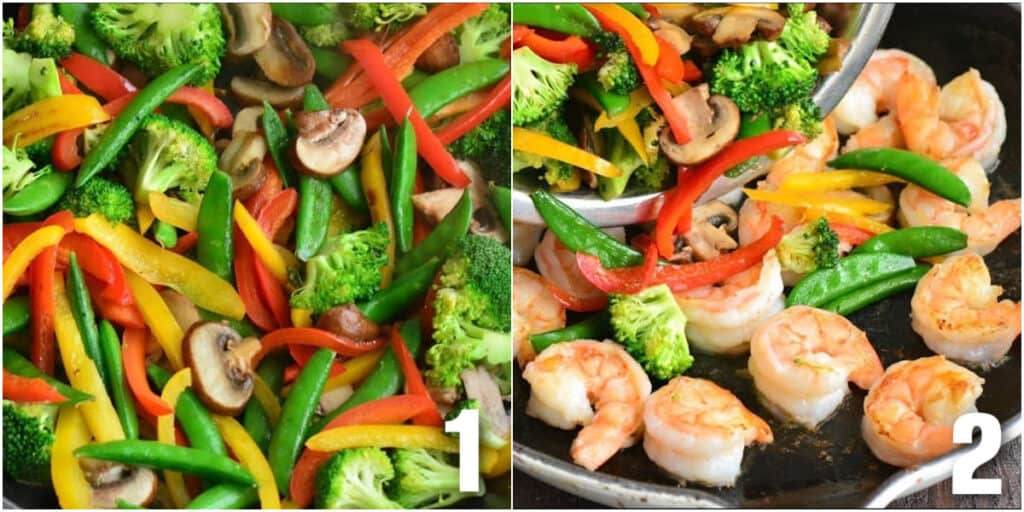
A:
{"points": [[437, 90], [329, 62], [193, 416], [127, 122], [444, 238], [349, 187], [39, 195], [225, 497], [215, 248], [87, 42], [916, 242], [571, 19], [403, 292], [17, 314], [612, 103], [891, 285], [110, 348], [502, 199], [593, 328], [850, 273], [277, 143], [17, 364], [313, 100], [254, 418], [403, 179], [304, 14], [157, 455], [579, 235], [314, 211], [298, 410], [909, 166], [165, 234], [85, 319]]}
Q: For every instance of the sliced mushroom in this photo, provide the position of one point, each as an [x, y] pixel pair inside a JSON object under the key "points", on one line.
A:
{"points": [[678, 13], [112, 482], [709, 235], [184, 312], [250, 91], [242, 160], [734, 25], [435, 204], [329, 140], [247, 120], [671, 33], [285, 59], [348, 321], [248, 27], [440, 55], [712, 122], [494, 420], [221, 363], [332, 399]]}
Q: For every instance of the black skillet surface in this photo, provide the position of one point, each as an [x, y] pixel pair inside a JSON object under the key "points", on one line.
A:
{"points": [[833, 467]]}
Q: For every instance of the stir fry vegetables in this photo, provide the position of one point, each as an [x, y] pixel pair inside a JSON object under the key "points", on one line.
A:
{"points": [[218, 302]]}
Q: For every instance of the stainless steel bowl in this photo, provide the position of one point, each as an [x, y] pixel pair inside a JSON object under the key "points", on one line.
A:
{"points": [[864, 31]]}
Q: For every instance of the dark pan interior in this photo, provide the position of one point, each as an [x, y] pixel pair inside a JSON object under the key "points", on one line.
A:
{"points": [[834, 467]]}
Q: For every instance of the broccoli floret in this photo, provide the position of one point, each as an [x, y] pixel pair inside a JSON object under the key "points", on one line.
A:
{"points": [[345, 270], [487, 145], [809, 247], [378, 16], [654, 177], [166, 154], [608, 42], [560, 175], [802, 35], [159, 37], [354, 478], [471, 310], [618, 74], [326, 35], [28, 438], [425, 479], [762, 76], [481, 36], [488, 436], [41, 151], [653, 329], [46, 35], [17, 170], [100, 195], [803, 116], [538, 86], [619, 152]]}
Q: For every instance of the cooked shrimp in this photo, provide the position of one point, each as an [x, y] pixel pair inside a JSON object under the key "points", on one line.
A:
{"points": [[966, 118], [875, 89], [721, 319], [884, 133], [909, 412], [986, 225], [809, 157], [755, 218], [802, 358], [958, 312], [696, 431], [566, 378], [534, 310], [558, 264]]}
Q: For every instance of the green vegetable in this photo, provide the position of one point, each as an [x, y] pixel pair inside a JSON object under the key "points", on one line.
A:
{"points": [[909, 166], [802, 35], [539, 87], [579, 235], [243, 327], [612, 103], [167, 155], [762, 76], [850, 273], [403, 293], [41, 151], [110, 348], [803, 116], [87, 42], [157, 455], [354, 478], [809, 247], [312, 217], [403, 178], [571, 19], [43, 191], [85, 319], [160, 37], [874, 292], [472, 305], [99, 195], [28, 438], [350, 188], [255, 418], [425, 479], [916, 242], [225, 497], [298, 409], [620, 153], [501, 197], [46, 35], [558, 174], [16, 363], [330, 63], [195, 419], [124, 505], [618, 74], [17, 313], [488, 146], [215, 248], [327, 34], [483, 35], [488, 435], [635, 9], [165, 234], [346, 269], [379, 16], [15, 79], [277, 142], [305, 14], [442, 240], [654, 177], [653, 330], [593, 328], [43, 80]]}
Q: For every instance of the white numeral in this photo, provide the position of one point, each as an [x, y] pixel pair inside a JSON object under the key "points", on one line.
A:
{"points": [[963, 469], [467, 425]]}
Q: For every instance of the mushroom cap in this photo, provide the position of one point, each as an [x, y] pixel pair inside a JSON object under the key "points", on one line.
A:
{"points": [[252, 91], [221, 363], [329, 140], [285, 59], [248, 26], [136, 485], [247, 120], [712, 125], [349, 322], [242, 160]]}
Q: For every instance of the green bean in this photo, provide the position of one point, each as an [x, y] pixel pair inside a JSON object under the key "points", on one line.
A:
{"points": [[17, 313], [349, 187], [39, 195], [916, 242], [298, 410], [403, 292], [255, 418], [195, 419], [579, 235], [277, 143], [87, 42], [16, 363], [895, 283], [225, 497], [595, 327], [85, 319], [442, 240], [165, 234], [157, 455], [402, 182], [110, 347], [215, 248], [304, 14], [330, 63], [909, 166]]}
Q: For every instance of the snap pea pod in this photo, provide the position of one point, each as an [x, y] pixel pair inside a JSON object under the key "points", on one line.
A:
{"points": [[579, 235], [349, 187], [909, 166], [329, 62], [386, 379], [593, 328], [443, 239], [85, 319], [850, 273], [313, 100], [612, 103], [215, 248], [386, 153], [304, 14], [225, 497], [17, 364], [571, 19], [254, 418], [437, 90], [110, 347], [165, 234], [891, 285], [916, 242], [17, 314], [314, 211], [195, 420], [39, 195], [502, 199], [403, 179], [87, 42], [128, 121], [277, 143], [157, 455], [298, 410], [403, 292]]}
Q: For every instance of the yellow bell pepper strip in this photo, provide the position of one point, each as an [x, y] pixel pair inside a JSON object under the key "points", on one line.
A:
{"points": [[251, 458], [537, 143], [635, 30], [375, 188], [266, 397], [289, 505], [51, 116], [835, 180], [69, 483], [144, 216], [302, 317], [825, 201], [158, 318], [638, 100], [177, 385], [175, 212], [630, 131], [356, 370], [856, 221], [100, 415], [21, 257], [495, 462], [383, 436], [159, 266], [261, 245]]}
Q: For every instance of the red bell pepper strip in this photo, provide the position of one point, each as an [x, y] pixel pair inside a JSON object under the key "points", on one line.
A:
{"points": [[651, 9], [670, 65], [200, 100], [23, 16], [65, 152], [98, 77], [497, 98], [679, 277], [413, 380], [577, 304], [317, 338], [571, 50], [302, 354], [272, 293], [42, 274], [691, 73], [850, 234], [519, 32], [66, 85], [100, 263], [186, 242], [123, 315], [386, 411], [271, 187], [398, 103], [248, 286], [133, 351], [30, 389], [273, 214], [678, 207], [15, 233]]}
